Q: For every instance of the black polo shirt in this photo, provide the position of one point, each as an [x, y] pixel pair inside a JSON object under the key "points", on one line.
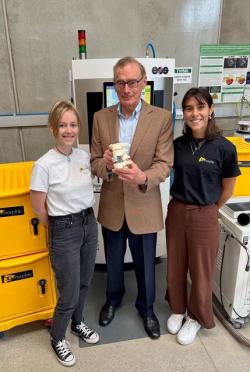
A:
{"points": [[198, 176]]}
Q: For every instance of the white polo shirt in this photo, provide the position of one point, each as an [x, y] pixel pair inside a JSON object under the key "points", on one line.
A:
{"points": [[66, 180]]}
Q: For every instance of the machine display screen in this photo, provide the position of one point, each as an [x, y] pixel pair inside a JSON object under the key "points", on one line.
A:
{"points": [[110, 95], [111, 98]]}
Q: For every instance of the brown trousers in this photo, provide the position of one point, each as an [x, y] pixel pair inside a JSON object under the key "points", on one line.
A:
{"points": [[192, 234]]}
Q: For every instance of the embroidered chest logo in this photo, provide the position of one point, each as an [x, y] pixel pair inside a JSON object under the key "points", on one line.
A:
{"points": [[204, 160], [84, 170]]}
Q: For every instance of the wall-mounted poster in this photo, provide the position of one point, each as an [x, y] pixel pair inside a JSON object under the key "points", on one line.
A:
{"points": [[225, 71]]}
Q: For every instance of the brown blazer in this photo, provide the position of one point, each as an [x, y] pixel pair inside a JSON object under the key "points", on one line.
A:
{"points": [[152, 151]]}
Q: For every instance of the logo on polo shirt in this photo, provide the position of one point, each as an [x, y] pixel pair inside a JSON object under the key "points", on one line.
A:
{"points": [[204, 160]]}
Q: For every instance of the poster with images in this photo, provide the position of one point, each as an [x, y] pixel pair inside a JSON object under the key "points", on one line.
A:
{"points": [[225, 71]]}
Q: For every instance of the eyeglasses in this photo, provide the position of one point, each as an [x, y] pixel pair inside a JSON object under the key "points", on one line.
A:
{"points": [[132, 84]]}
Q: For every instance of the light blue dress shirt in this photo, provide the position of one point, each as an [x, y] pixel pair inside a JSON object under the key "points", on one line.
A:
{"points": [[128, 125]]}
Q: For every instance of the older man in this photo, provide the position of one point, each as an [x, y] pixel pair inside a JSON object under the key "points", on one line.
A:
{"points": [[130, 202]]}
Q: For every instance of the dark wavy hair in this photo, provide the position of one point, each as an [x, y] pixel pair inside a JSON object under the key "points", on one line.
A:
{"points": [[201, 95]]}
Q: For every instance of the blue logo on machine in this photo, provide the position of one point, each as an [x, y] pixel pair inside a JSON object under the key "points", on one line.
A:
{"points": [[17, 276], [11, 211]]}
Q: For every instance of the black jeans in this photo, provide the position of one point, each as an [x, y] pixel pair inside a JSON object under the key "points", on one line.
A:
{"points": [[72, 246]]}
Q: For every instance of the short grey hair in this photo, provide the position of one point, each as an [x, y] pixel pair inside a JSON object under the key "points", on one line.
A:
{"points": [[126, 61]]}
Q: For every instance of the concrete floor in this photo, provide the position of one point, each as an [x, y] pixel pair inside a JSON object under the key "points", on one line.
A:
{"points": [[26, 348]]}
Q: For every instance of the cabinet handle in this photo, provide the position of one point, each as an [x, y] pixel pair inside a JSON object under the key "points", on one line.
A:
{"points": [[35, 223], [42, 283]]}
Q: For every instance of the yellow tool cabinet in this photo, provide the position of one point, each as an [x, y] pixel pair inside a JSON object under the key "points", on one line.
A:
{"points": [[242, 186], [20, 231], [27, 289]]}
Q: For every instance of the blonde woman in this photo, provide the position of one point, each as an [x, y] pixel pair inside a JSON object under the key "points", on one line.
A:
{"points": [[62, 197]]}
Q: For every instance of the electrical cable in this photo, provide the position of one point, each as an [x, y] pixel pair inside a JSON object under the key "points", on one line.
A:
{"points": [[149, 45], [221, 313], [221, 269], [246, 250], [234, 332]]}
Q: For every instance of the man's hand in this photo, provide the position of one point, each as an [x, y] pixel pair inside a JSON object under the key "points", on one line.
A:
{"points": [[131, 174], [108, 159]]}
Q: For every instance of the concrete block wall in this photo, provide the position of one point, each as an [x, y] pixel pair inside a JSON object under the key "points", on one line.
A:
{"points": [[39, 39]]}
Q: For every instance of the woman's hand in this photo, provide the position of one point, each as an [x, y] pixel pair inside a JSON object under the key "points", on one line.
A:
{"points": [[38, 203]]}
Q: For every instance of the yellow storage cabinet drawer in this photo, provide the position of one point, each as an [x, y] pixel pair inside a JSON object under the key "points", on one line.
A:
{"points": [[242, 147], [27, 290], [20, 231], [242, 186]]}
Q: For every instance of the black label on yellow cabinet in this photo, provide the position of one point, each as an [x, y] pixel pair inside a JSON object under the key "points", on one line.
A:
{"points": [[11, 211], [17, 276]]}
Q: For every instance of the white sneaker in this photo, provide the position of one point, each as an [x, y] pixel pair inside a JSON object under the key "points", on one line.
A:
{"points": [[188, 331], [85, 333], [63, 352], [174, 323]]}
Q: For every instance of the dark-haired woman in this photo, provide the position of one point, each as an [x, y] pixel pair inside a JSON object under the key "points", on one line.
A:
{"points": [[205, 171]]}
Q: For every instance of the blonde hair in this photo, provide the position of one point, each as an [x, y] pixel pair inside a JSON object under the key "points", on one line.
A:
{"points": [[56, 112]]}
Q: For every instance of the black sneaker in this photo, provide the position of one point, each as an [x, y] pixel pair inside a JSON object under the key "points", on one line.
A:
{"points": [[63, 352], [85, 333]]}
